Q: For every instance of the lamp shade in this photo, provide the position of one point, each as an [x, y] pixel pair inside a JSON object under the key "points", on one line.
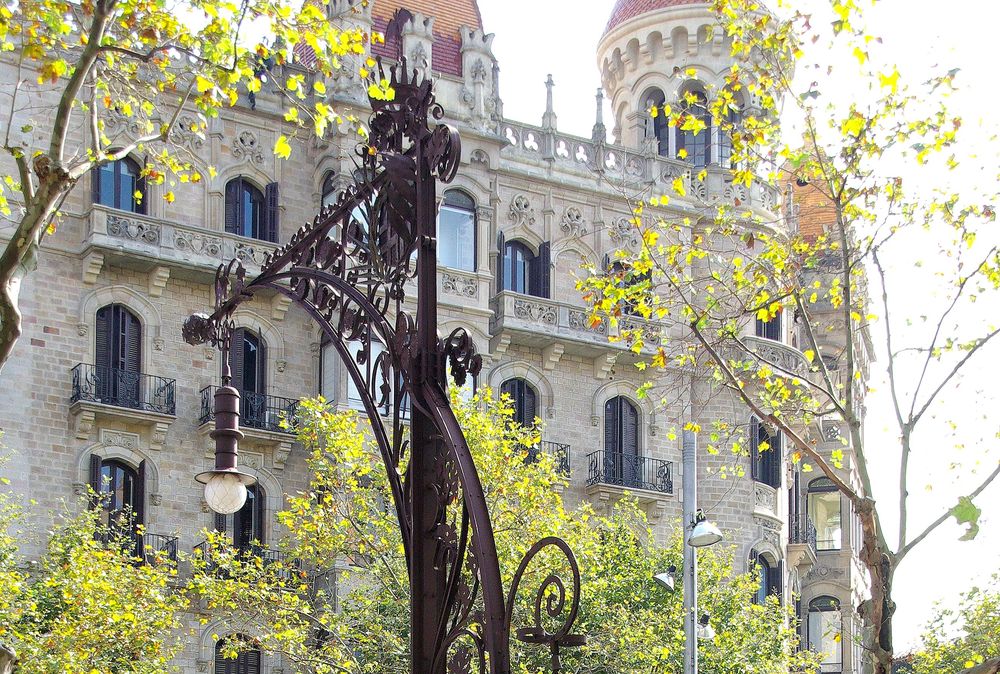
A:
{"points": [[666, 579], [705, 533]]}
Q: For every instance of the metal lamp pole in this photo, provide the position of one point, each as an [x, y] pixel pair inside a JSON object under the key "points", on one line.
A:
{"points": [[690, 491]]}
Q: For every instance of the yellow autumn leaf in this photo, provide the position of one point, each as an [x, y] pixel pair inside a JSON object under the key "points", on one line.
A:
{"points": [[203, 84], [281, 147], [678, 186]]}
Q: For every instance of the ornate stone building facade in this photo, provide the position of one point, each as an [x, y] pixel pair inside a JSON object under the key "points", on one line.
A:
{"points": [[102, 385]]}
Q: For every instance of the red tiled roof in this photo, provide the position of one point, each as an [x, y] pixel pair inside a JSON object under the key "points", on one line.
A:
{"points": [[449, 16], [629, 9]]}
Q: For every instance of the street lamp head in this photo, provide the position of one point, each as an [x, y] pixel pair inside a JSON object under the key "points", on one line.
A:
{"points": [[705, 629], [225, 490], [704, 533], [667, 579]]}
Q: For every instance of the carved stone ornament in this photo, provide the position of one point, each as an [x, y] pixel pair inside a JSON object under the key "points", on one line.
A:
{"points": [[459, 284], [625, 234], [521, 212], [198, 244], [536, 312], [251, 254], [189, 130], [572, 221], [580, 321], [418, 56], [479, 72], [112, 438], [247, 147], [136, 230]]}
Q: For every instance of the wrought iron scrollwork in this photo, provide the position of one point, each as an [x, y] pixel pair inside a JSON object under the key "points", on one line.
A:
{"points": [[350, 270]]}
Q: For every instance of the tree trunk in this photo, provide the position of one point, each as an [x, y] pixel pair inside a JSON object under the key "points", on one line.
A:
{"points": [[7, 659], [988, 667], [878, 610]]}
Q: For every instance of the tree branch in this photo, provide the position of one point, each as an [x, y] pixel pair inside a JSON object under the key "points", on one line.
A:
{"points": [[940, 520]]}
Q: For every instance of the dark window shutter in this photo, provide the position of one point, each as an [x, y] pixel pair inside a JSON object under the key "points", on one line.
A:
{"points": [[95, 478], [95, 185], [775, 580], [140, 186], [611, 426], [102, 339], [501, 261], [252, 663], [755, 449], [131, 341], [139, 506], [220, 523], [233, 202], [236, 358], [630, 428], [271, 212], [261, 367], [260, 503], [541, 272]]}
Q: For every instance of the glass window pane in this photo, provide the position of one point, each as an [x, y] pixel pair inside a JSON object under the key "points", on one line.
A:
{"points": [[107, 185], [824, 511], [328, 372], [456, 238]]}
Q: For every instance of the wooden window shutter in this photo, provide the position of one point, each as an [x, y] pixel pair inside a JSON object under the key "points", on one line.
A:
{"points": [[611, 424], [234, 202], [261, 366], [271, 212], [140, 186], [260, 503], [220, 523], [139, 507], [251, 662], [102, 339], [131, 331], [541, 275], [501, 261], [530, 404], [774, 582], [236, 358], [630, 428], [755, 449], [94, 478], [95, 185]]}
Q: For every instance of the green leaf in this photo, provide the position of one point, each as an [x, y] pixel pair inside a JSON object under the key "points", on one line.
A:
{"points": [[966, 512]]}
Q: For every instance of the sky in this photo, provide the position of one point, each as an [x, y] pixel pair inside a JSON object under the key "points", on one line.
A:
{"points": [[559, 37]]}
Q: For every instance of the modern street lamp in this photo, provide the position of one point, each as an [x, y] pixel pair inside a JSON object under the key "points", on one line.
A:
{"points": [[702, 534]]}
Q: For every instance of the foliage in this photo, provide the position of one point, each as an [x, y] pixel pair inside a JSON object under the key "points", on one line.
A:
{"points": [[344, 525], [91, 82], [963, 637], [86, 606], [830, 268]]}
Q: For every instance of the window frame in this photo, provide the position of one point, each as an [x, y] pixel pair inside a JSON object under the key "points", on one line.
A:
{"points": [[527, 263], [452, 204], [824, 487], [115, 174], [521, 392], [820, 606], [766, 465], [689, 141]]}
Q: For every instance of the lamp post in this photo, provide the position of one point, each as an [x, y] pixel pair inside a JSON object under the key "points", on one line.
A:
{"points": [[351, 269], [698, 533]]}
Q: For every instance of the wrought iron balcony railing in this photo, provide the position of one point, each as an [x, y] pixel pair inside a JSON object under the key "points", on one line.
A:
{"points": [[557, 450], [123, 388], [257, 410], [157, 547], [286, 566], [631, 471], [801, 530]]}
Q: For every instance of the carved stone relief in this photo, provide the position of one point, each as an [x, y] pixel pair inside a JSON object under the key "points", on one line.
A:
{"points": [[521, 212], [247, 147]]}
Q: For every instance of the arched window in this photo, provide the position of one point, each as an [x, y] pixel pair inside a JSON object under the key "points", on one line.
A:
{"points": [[824, 632], [118, 357], [329, 194], [659, 126], [457, 231], [823, 507], [696, 144], [248, 365], [121, 493], [246, 662], [769, 577], [521, 271], [765, 454], [523, 398], [119, 184], [251, 213]]}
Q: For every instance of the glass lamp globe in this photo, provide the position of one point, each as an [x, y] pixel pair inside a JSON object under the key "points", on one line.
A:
{"points": [[225, 493]]}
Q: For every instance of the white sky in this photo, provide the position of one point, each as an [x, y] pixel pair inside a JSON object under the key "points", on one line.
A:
{"points": [[537, 37]]}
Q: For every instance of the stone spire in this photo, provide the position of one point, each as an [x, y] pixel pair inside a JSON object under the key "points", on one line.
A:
{"points": [[600, 132], [549, 118]]}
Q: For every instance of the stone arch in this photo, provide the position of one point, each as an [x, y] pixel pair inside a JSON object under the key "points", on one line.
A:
{"points": [[615, 388], [522, 224], [221, 629], [251, 320], [146, 311], [122, 446], [679, 39], [583, 251], [217, 193], [531, 374]]}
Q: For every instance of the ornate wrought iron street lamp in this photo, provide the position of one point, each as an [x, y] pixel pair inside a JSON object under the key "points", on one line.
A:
{"points": [[350, 269]]}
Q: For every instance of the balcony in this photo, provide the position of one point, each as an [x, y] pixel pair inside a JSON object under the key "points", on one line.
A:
{"points": [[154, 548], [801, 543], [651, 481], [557, 450], [278, 561], [783, 357], [558, 327], [154, 245], [123, 395], [261, 418]]}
